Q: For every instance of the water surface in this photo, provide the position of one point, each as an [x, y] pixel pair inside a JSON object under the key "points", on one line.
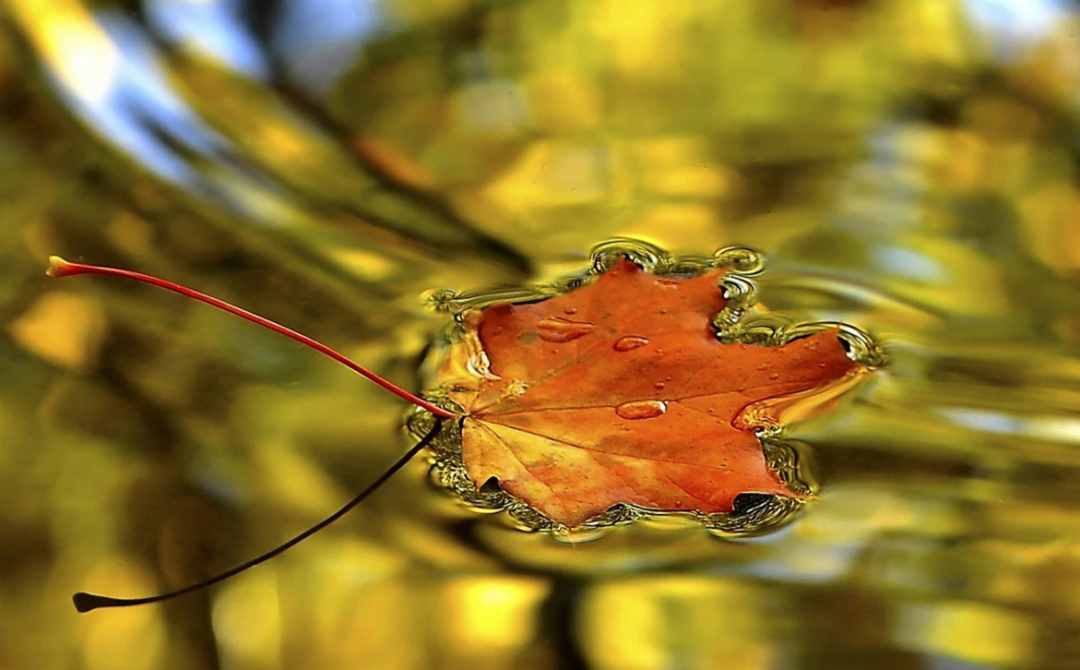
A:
{"points": [[910, 167]]}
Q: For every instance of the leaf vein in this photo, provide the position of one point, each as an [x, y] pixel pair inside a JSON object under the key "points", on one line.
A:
{"points": [[601, 451]]}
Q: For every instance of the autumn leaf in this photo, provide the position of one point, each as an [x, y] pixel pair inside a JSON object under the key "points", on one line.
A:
{"points": [[615, 392], [621, 392]]}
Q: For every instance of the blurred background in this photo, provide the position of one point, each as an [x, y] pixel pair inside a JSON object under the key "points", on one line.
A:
{"points": [[910, 166]]}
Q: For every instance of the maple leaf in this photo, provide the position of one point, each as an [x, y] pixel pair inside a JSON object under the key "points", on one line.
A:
{"points": [[620, 392]]}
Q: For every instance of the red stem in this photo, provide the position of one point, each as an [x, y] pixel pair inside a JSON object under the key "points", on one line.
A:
{"points": [[58, 267]]}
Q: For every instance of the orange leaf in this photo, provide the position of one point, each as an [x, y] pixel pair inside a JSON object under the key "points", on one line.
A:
{"points": [[620, 392]]}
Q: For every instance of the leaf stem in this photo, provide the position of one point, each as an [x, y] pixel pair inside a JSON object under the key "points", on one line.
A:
{"points": [[58, 267]]}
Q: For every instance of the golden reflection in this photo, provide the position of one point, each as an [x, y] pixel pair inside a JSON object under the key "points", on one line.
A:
{"points": [[558, 175], [637, 36], [357, 608], [489, 616], [247, 620], [65, 329], [680, 166], [967, 631], [676, 621], [131, 233], [282, 141], [692, 220], [932, 31], [136, 638], [1049, 226], [292, 480], [366, 264], [563, 100]]}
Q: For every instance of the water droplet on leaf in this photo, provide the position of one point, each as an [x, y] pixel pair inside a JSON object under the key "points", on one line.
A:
{"points": [[630, 342], [641, 409], [557, 329]]}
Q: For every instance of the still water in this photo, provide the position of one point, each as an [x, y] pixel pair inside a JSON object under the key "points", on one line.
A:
{"points": [[908, 166]]}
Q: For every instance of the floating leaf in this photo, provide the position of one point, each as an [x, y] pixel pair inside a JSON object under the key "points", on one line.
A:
{"points": [[616, 393], [620, 392]]}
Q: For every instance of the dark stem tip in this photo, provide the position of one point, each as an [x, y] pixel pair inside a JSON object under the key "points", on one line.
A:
{"points": [[85, 602]]}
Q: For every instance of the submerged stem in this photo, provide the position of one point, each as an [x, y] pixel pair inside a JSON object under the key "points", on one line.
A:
{"points": [[86, 602]]}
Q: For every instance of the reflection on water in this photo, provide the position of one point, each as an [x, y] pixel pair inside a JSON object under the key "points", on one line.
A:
{"points": [[911, 167]]}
